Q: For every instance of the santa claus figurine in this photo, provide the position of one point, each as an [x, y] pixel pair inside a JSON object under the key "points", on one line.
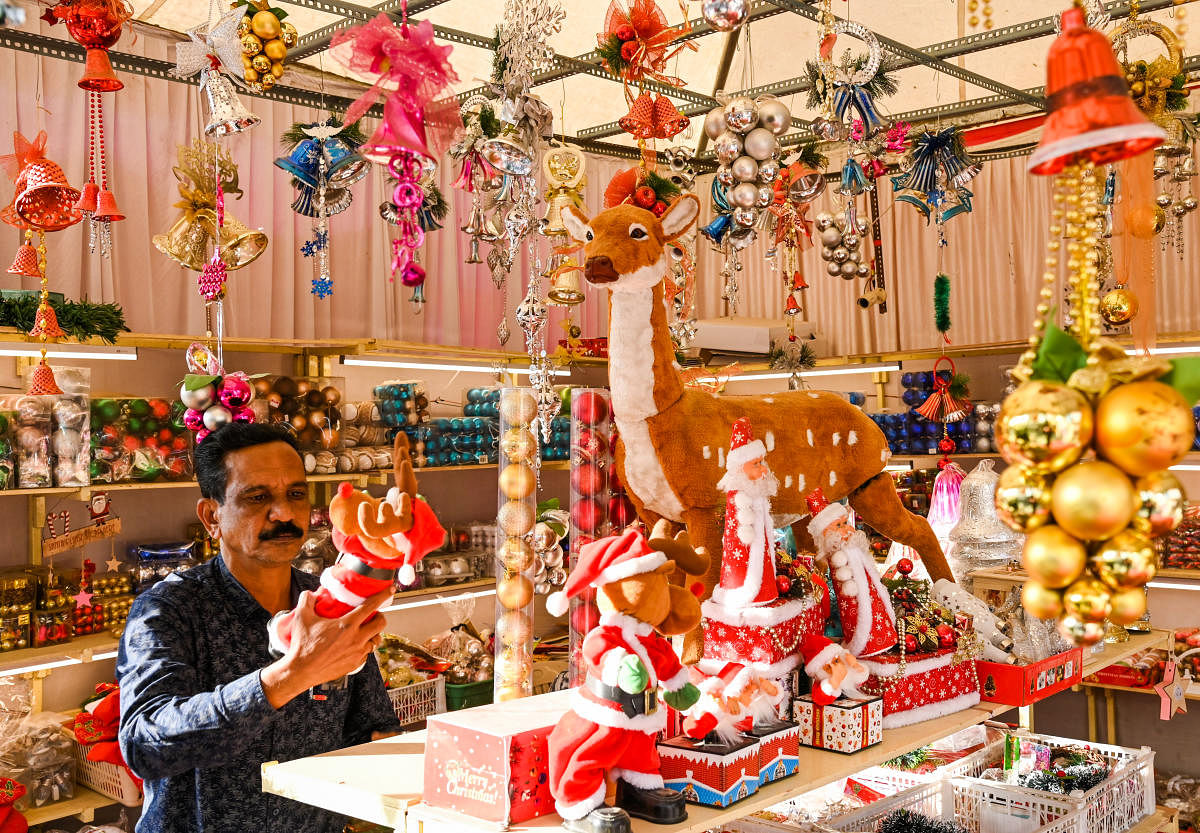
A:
{"points": [[868, 621], [748, 552]]}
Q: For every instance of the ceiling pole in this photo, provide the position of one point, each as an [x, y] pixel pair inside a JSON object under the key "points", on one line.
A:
{"points": [[722, 75]]}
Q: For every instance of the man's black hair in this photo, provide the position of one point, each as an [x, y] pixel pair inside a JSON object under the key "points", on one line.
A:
{"points": [[210, 454]]}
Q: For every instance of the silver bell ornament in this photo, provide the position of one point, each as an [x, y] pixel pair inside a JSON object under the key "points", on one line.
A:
{"points": [[226, 113], [727, 147], [724, 15], [741, 114], [774, 115], [980, 539], [761, 143], [745, 169], [725, 175], [743, 195]]}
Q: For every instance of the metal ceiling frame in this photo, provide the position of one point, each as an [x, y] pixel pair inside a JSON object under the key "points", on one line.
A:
{"points": [[318, 41]]}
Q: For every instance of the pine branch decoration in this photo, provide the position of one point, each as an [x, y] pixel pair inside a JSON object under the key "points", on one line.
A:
{"points": [[808, 154], [664, 189], [80, 320], [351, 134], [881, 86], [941, 302]]}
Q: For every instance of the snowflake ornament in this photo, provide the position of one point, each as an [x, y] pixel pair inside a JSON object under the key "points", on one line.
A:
{"points": [[322, 287]]}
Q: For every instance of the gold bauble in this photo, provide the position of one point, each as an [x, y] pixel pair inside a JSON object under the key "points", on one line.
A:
{"points": [[1144, 427], [1128, 606], [251, 45], [288, 34], [246, 62], [261, 64], [1040, 601], [1052, 557], [1146, 220], [1023, 498], [517, 481], [518, 445], [1092, 500], [1080, 632], [515, 518], [265, 25], [514, 628], [275, 50], [514, 591], [504, 693], [267, 81], [516, 555], [1120, 306], [250, 76], [244, 26], [1043, 424], [1128, 559], [1089, 599], [517, 407], [1160, 503], [277, 70]]}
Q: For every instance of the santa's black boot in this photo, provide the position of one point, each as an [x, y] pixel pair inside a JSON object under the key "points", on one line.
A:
{"points": [[601, 820], [661, 805]]}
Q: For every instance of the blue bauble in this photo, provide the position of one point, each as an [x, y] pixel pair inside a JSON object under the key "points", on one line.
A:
{"points": [[907, 380], [857, 398], [904, 447], [912, 397], [965, 446], [925, 380]]}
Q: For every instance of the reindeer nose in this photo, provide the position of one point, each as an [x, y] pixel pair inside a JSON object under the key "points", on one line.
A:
{"points": [[599, 269]]}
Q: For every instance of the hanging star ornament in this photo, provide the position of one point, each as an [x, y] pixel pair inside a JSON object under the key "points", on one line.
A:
{"points": [[1173, 691], [113, 564], [83, 598]]}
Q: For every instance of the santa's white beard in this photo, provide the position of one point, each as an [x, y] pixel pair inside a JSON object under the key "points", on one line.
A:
{"points": [[736, 480]]}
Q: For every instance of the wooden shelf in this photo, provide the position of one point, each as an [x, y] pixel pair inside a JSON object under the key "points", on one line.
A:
{"points": [[1193, 692], [1115, 652], [1162, 820], [75, 652], [84, 804]]}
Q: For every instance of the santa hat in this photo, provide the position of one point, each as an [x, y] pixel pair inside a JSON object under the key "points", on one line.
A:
{"points": [[604, 561], [742, 446], [823, 513]]}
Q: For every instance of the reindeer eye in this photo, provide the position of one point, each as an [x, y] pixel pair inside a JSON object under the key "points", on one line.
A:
{"points": [[637, 232], [588, 235]]}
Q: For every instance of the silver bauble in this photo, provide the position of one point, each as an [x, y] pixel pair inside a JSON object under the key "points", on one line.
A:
{"points": [[216, 416], [864, 271], [744, 168], [828, 130], [714, 122], [727, 147], [831, 236], [740, 238], [826, 253], [833, 268], [745, 217], [841, 254], [851, 240], [766, 196], [198, 399], [724, 175], [743, 195], [853, 256], [741, 114], [774, 115], [761, 143], [724, 15], [840, 219], [824, 220], [768, 171], [849, 269]]}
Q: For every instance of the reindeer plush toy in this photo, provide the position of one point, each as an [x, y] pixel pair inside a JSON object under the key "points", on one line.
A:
{"points": [[673, 439]]}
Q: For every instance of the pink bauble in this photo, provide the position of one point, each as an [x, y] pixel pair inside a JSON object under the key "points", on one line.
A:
{"points": [[621, 512], [201, 434], [193, 419], [588, 479], [587, 515], [243, 414], [235, 392], [589, 407]]}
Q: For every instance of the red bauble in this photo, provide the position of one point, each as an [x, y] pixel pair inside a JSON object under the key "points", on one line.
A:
{"points": [[589, 407], [131, 443], [625, 32], [946, 445], [946, 638], [645, 197], [910, 643], [628, 49], [165, 435], [659, 209], [620, 512], [590, 443], [904, 566], [584, 617], [587, 516], [159, 408], [587, 479], [783, 584]]}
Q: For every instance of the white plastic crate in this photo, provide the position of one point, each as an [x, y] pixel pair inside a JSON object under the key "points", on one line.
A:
{"points": [[109, 780], [957, 800], [413, 703], [1119, 802], [971, 766]]}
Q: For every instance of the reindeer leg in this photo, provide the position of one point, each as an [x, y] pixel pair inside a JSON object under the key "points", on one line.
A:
{"points": [[704, 530], [879, 505]]}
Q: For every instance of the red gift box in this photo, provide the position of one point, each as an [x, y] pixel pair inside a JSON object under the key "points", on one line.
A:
{"points": [[933, 685], [845, 725], [1020, 685], [767, 637], [778, 750], [716, 774], [490, 762]]}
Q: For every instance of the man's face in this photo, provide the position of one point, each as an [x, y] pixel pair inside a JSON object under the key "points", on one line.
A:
{"points": [[755, 469], [265, 514]]}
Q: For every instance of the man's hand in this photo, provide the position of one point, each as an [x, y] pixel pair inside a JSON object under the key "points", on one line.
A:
{"points": [[323, 649], [683, 699], [632, 676]]}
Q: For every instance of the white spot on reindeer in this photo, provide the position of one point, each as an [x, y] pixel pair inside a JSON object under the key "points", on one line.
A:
{"points": [[676, 365], [800, 483], [884, 454], [852, 438], [707, 452], [770, 400], [837, 437], [769, 439], [810, 437], [787, 482], [721, 457], [814, 396], [832, 478]]}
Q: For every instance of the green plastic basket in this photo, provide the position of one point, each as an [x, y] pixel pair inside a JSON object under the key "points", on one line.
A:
{"points": [[468, 695]]}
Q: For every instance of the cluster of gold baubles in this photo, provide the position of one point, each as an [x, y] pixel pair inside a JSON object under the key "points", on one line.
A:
{"points": [[1090, 519], [265, 42]]}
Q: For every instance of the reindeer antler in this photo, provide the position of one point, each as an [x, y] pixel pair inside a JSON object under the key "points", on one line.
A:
{"points": [[679, 549], [406, 482]]}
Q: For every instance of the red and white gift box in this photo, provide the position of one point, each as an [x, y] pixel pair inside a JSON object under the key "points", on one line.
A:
{"points": [[933, 685], [778, 751], [767, 637], [716, 774], [845, 725], [491, 762]]}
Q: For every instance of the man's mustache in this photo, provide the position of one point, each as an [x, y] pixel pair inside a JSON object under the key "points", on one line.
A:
{"points": [[287, 529]]}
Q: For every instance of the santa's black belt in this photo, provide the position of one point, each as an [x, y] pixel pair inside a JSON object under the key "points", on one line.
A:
{"points": [[645, 702], [356, 565]]}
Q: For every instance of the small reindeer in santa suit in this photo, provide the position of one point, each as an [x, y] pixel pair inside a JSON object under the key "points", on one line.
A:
{"points": [[611, 732]]}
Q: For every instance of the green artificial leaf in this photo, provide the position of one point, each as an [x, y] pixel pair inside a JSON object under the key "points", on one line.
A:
{"points": [[1059, 356], [559, 529], [1184, 376], [546, 505], [279, 13], [195, 381]]}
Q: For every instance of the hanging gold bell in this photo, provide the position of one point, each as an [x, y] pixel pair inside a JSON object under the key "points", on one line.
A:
{"points": [[186, 242], [474, 226], [566, 288], [239, 244], [226, 113], [1177, 143], [553, 224], [473, 255], [564, 170]]}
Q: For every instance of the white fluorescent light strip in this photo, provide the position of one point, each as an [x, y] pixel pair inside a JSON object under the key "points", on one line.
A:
{"points": [[898, 467], [1186, 467], [128, 354], [1165, 351], [1172, 585], [466, 368], [437, 600], [851, 370]]}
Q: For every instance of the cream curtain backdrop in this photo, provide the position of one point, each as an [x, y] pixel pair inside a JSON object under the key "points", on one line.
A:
{"points": [[994, 258]]}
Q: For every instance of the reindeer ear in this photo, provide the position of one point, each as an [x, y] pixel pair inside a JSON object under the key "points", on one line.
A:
{"points": [[576, 222], [682, 213]]}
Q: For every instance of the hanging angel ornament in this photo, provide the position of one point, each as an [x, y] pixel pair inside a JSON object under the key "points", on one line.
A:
{"points": [[215, 51]]}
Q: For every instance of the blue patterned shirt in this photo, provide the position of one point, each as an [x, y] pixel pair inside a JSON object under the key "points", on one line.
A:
{"points": [[196, 724]]}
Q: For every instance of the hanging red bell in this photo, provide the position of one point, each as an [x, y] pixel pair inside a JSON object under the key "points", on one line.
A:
{"points": [[792, 308], [98, 75], [107, 207], [46, 323], [25, 263], [87, 202], [798, 281], [1091, 114], [42, 382]]}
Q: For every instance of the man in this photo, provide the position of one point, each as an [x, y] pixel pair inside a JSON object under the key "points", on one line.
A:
{"points": [[202, 703]]}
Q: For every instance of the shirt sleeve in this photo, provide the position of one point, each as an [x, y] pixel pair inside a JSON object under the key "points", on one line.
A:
{"points": [[168, 724], [370, 707]]}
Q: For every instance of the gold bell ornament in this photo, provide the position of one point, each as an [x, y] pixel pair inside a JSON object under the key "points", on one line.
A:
{"points": [[564, 168], [188, 239], [238, 244], [566, 288]]}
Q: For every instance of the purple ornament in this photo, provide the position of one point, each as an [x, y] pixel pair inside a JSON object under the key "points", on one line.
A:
{"points": [[193, 419], [235, 392], [243, 413]]}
